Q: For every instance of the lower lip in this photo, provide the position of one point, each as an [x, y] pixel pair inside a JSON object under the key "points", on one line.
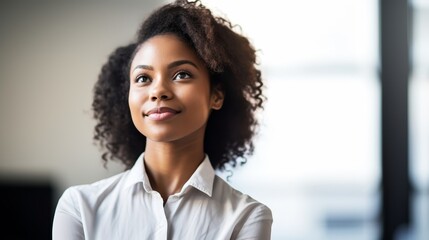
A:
{"points": [[161, 116]]}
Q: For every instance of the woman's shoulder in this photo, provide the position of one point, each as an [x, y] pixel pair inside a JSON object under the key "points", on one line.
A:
{"points": [[92, 192], [100, 185], [238, 200]]}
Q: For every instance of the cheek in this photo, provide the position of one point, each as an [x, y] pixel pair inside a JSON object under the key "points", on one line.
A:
{"points": [[200, 104], [135, 99]]}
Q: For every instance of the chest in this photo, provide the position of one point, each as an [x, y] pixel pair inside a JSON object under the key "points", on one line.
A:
{"points": [[148, 217]]}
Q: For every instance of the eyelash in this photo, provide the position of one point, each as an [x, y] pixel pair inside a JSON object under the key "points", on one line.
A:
{"points": [[182, 72], [142, 76], [147, 78]]}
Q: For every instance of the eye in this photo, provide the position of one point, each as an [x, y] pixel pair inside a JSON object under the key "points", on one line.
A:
{"points": [[182, 75], [142, 79]]}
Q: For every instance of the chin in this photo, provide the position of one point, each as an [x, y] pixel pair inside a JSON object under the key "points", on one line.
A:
{"points": [[162, 136]]}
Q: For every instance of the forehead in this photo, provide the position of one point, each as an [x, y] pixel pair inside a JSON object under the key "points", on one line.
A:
{"points": [[164, 48]]}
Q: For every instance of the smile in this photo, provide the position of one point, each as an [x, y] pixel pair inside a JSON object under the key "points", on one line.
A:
{"points": [[161, 113]]}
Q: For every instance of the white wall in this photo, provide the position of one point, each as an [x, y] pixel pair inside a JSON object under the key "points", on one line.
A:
{"points": [[50, 55]]}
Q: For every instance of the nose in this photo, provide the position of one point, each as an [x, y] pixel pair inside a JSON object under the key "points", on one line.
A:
{"points": [[160, 90]]}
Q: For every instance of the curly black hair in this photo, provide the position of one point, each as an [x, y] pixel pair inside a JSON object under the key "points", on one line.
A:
{"points": [[232, 65]]}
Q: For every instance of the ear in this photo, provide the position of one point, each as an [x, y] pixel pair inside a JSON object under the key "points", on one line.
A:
{"points": [[217, 98]]}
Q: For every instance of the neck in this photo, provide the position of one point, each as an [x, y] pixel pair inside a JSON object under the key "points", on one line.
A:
{"points": [[170, 165]]}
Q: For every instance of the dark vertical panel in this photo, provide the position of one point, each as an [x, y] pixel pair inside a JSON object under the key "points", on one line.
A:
{"points": [[26, 209], [394, 17]]}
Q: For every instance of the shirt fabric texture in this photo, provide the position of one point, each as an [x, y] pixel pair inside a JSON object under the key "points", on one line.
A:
{"points": [[126, 207]]}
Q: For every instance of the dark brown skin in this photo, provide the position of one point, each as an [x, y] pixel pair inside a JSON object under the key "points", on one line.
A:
{"points": [[166, 74]]}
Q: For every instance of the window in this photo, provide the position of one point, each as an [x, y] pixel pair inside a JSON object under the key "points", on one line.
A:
{"points": [[419, 119], [317, 158]]}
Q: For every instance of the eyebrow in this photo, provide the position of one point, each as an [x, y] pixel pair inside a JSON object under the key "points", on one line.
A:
{"points": [[169, 66]]}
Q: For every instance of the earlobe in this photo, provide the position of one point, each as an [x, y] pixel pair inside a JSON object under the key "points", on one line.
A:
{"points": [[217, 105]]}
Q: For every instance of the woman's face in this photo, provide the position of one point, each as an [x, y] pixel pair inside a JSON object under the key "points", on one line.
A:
{"points": [[170, 97]]}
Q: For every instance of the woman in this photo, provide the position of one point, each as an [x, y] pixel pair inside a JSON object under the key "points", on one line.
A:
{"points": [[173, 106]]}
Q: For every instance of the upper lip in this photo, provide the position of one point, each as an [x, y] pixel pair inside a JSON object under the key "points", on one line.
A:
{"points": [[161, 110]]}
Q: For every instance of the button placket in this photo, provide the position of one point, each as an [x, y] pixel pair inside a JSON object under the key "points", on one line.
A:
{"points": [[158, 202]]}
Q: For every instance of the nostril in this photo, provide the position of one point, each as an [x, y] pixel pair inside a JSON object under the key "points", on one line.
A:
{"points": [[163, 97]]}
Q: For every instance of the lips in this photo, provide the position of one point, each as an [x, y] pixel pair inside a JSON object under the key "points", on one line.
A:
{"points": [[161, 113]]}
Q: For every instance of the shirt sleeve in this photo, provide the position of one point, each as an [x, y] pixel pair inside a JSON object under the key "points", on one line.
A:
{"points": [[257, 226], [67, 224]]}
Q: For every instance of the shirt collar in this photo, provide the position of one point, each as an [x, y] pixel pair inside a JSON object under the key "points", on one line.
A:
{"points": [[138, 174], [202, 179]]}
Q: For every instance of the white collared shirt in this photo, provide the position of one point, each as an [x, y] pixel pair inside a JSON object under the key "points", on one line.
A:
{"points": [[125, 207]]}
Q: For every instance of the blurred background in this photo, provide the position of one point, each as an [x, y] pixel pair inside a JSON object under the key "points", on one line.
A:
{"points": [[343, 149]]}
